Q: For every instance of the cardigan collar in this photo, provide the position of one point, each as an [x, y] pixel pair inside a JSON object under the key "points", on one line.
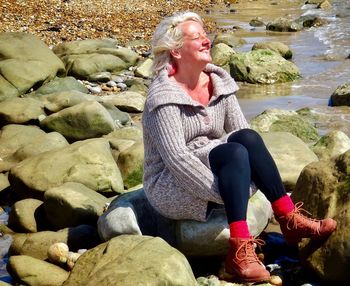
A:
{"points": [[165, 91]]}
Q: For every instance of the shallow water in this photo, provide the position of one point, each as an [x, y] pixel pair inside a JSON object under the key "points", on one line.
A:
{"points": [[319, 52]]}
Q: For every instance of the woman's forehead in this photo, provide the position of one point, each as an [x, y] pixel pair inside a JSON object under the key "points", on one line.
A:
{"points": [[191, 27]]}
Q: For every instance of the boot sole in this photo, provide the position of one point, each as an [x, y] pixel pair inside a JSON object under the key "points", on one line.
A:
{"points": [[234, 278]]}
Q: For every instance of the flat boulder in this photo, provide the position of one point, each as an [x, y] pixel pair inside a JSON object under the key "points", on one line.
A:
{"points": [[262, 66], [126, 54], [278, 47], [14, 137], [26, 62], [127, 101], [35, 272], [83, 46], [72, 204], [85, 120], [331, 145], [57, 101], [21, 110], [132, 260], [38, 144], [88, 162], [284, 24], [84, 65], [229, 39], [276, 120], [290, 153]]}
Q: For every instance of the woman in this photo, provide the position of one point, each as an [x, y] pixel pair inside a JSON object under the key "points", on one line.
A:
{"points": [[199, 150]]}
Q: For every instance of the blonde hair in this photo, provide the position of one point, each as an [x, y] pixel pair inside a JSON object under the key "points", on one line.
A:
{"points": [[169, 36]]}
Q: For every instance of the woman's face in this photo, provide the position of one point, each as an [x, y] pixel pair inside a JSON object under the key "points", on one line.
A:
{"points": [[196, 45]]}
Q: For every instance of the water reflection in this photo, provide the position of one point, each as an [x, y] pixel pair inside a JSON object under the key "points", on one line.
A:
{"points": [[254, 91]]}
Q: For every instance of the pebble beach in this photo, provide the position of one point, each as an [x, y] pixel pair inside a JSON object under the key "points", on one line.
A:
{"points": [[67, 20]]}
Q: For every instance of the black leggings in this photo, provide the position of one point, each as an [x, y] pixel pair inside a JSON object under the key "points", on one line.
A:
{"points": [[244, 158]]}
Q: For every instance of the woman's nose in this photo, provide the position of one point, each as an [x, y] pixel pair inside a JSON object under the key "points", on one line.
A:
{"points": [[206, 41]]}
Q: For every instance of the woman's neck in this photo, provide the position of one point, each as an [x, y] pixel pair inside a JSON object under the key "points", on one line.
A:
{"points": [[190, 78], [196, 84]]}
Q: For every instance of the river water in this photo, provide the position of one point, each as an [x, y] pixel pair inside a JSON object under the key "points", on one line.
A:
{"points": [[319, 52]]}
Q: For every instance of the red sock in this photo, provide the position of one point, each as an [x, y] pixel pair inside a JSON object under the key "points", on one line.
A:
{"points": [[282, 206], [239, 229]]}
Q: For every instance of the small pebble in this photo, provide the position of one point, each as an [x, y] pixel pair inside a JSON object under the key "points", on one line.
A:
{"points": [[94, 89], [111, 83], [276, 280], [122, 86]]}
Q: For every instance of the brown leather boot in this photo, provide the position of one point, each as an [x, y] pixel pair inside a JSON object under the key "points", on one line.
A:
{"points": [[296, 226], [242, 262]]}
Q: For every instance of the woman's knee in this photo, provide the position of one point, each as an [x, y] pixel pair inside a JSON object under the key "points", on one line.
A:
{"points": [[229, 153], [246, 137]]}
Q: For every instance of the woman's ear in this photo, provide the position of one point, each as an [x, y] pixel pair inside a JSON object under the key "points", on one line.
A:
{"points": [[175, 53]]}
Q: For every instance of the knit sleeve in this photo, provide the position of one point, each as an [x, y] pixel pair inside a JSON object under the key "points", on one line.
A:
{"points": [[165, 127], [234, 118]]}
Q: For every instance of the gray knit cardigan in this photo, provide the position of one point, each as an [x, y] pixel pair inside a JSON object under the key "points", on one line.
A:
{"points": [[178, 136]]}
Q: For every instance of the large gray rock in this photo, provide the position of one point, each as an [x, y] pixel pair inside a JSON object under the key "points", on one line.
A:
{"points": [[126, 54], [27, 216], [82, 121], [36, 145], [72, 204], [210, 238], [122, 139], [331, 144], [128, 101], [341, 96], [120, 118], [37, 244], [84, 65], [132, 214], [57, 101], [275, 120], [35, 272], [132, 260], [14, 137], [229, 39], [278, 47], [26, 62], [221, 55], [88, 162], [290, 154], [83, 46], [61, 84], [284, 24], [262, 66], [20, 110], [324, 187]]}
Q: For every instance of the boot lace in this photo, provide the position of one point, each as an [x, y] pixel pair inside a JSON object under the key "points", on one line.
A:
{"points": [[296, 219], [246, 250]]}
